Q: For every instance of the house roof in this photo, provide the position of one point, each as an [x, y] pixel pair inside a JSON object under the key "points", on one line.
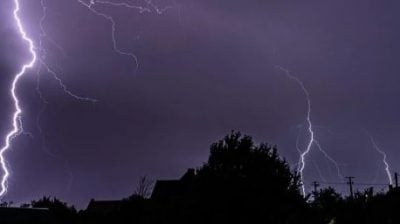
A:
{"points": [[166, 189]]}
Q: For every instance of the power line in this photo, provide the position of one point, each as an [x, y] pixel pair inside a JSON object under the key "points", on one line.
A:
{"points": [[355, 183]]}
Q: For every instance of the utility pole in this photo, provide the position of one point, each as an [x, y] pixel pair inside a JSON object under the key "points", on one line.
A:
{"points": [[350, 183], [316, 185], [396, 180]]}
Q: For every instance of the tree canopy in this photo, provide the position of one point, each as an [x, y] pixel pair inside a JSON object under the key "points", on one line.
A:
{"points": [[245, 181]]}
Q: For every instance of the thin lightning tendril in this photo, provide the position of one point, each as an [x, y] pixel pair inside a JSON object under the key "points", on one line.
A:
{"points": [[384, 157], [64, 87], [90, 7], [43, 64], [16, 119], [121, 4], [327, 156], [44, 67], [312, 141], [141, 9]]}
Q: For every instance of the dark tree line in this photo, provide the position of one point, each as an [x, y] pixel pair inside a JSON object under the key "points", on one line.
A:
{"points": [[241, 182]]}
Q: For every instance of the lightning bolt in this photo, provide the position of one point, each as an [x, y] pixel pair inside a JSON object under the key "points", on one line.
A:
{"points": [[310, 129], [311, 141], [16, 119], [384, 157], [324, 153], [17, 127], [39, 54]]}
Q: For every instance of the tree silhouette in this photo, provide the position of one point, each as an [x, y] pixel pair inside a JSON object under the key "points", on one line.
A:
{"points": [[325, 205], [144, 188], [61, 210], [242, 182]]}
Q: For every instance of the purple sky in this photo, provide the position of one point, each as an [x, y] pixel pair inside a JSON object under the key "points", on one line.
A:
{"points": [[205, 67]]}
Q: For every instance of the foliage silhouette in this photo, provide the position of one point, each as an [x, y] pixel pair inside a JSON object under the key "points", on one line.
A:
{"points": [[61, 210], [248, 182]]}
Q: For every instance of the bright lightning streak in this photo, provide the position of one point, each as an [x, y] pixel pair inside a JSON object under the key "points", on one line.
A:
{"points": [[16, 119], [384, 158], [311, 141], [327, 156], [310, 129], [17, 127]]}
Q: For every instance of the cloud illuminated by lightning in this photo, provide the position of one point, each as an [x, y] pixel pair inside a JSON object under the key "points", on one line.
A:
{"points": [[384, 157], [16, 119], [310, 129]]}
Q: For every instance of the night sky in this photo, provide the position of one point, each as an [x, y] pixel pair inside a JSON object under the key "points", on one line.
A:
{"points": [[206, 67]]}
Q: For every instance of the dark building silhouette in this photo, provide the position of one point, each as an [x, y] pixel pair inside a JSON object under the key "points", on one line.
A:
{"points": [[163, 191], [166, 190]]}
